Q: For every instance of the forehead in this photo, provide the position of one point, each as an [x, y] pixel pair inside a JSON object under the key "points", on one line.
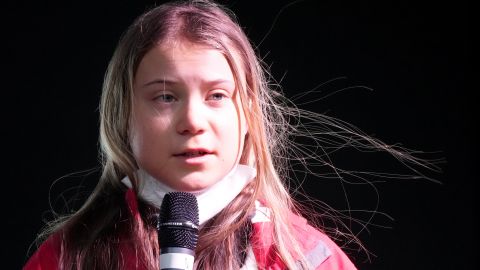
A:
{"points": [[184, 61]]}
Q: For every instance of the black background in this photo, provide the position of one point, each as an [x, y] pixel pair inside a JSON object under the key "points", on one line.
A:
{"points": [[415, 57]]}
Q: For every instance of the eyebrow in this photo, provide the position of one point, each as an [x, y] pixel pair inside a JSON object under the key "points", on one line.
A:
{"points": [[159, 81], [173, 82]]}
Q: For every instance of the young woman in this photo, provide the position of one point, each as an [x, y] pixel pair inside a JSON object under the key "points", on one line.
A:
{"points": [[186, 106]]}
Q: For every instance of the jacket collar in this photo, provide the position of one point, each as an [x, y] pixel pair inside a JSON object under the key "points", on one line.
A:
{"points": [[261, 239]]}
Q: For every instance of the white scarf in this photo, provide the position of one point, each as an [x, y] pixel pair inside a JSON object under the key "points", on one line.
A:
{"points": [[210, 200]]}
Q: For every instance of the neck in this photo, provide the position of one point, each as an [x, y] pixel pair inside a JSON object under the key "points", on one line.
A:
{"points": [[210, 200]]}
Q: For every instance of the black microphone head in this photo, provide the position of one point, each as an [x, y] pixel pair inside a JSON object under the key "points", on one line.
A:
{"points": [[178, 221]]}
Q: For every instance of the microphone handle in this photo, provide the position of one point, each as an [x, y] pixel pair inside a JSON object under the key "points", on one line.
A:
{"points": [[176, 258]]}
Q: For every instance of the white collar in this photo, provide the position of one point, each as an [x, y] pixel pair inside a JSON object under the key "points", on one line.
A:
{"points": [[210, 200]]}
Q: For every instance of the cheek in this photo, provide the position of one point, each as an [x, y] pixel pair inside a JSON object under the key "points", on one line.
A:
{"points": [[145, 134], [230, 123], [133, 136], [136, 141], [233, 133]]}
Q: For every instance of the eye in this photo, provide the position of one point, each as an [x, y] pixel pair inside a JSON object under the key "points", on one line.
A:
{"points": [[217, 96], [165, 98]]}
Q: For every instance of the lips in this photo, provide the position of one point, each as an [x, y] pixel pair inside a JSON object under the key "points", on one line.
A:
{"points": [[193, 153]]}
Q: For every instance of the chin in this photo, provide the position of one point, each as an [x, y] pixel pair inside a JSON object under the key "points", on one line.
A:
{"points": [[192, 186], [195, 182]]}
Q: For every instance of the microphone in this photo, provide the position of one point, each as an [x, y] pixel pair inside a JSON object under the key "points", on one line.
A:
{"points": [[178, 230]]}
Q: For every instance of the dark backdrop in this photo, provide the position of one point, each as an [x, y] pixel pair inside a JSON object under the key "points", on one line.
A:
{"points": [[414, 56]]}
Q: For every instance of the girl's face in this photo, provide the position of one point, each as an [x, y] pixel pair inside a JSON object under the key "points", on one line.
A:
{"points": [[187, 126]]}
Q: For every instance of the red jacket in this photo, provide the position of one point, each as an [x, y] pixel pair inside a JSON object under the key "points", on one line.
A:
{"points": [[321, 252]]}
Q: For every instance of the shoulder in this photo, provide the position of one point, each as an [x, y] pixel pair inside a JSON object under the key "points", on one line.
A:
{"points": [[320, 250], [46, 257]]}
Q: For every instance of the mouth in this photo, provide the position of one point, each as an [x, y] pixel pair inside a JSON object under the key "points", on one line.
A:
{"points": [[193, 153]]}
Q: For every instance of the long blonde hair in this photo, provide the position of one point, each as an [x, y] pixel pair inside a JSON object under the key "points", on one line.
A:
{"points": [[224, 239]]}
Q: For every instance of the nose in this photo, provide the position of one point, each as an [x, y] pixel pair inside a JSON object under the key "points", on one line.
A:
{"points": [[191, 118]]}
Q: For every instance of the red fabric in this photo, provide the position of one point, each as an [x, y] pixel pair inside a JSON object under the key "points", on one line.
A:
{"points": [[47, 256], [266, 255], [310, 238], [263, 248]]}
